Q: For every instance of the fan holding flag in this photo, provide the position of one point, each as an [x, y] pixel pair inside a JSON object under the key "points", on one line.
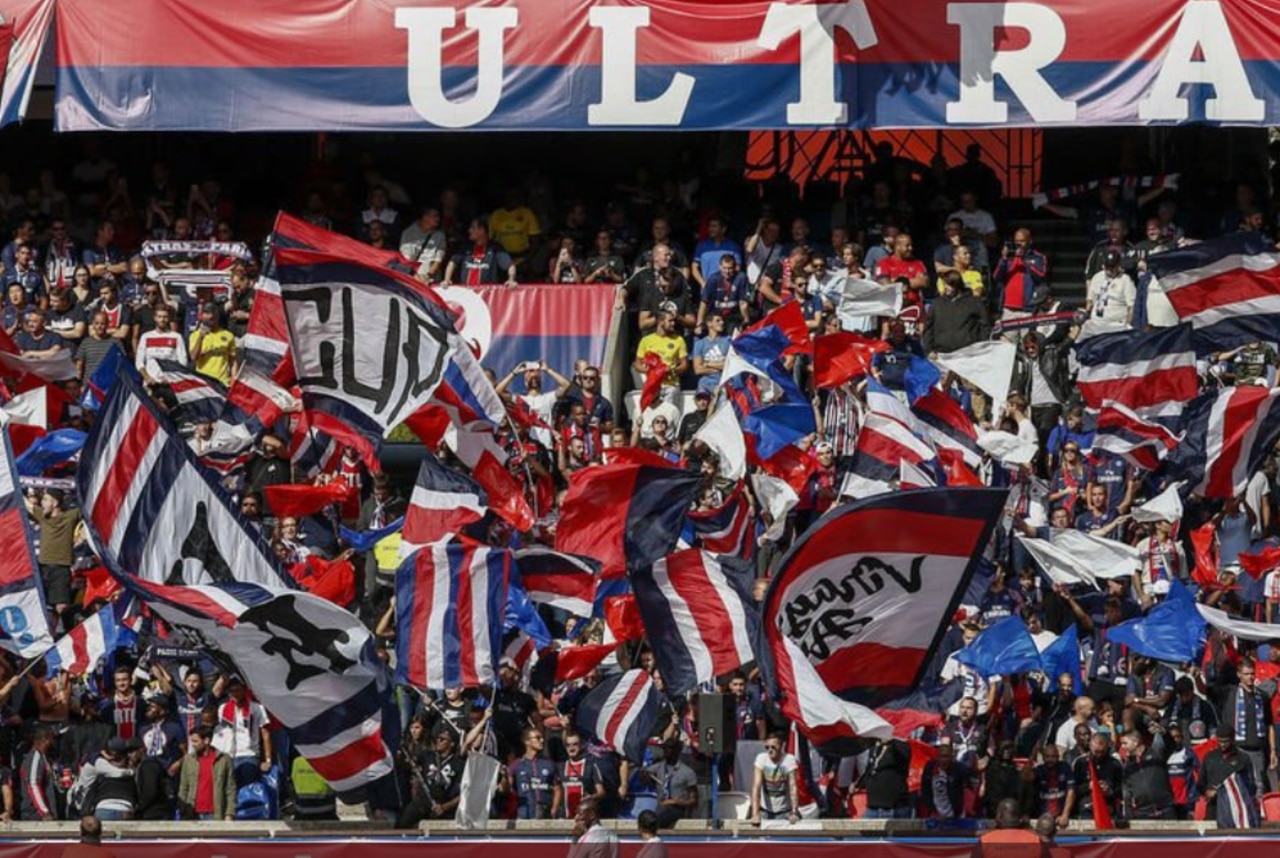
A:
{"points": [[670, 350]]}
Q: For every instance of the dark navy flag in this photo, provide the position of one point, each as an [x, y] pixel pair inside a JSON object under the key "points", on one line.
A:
{"points": [[1172, 631], [444, 501], [1151, 374], [1227, 435], [621, 713], [699, 616], [1226, 288], [729, 529], [948, 426], [563, 581], [1004, 647], [1237, 804], [626, 515]]}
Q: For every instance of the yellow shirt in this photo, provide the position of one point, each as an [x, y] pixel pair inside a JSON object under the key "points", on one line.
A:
{"points": [[972, 279], [671, 349], [514, 228], [218, 351]]}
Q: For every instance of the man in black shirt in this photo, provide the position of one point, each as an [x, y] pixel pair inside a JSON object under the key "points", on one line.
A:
{"points": [[513, 710], [1148, 793], [1220, 765], [885, 780], [1099, 764]]}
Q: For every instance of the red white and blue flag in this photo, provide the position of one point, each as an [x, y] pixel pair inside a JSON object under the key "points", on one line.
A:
{"points": [[948, 426], [1227, 289], [259, 395], [444, 501], [698, 613], [563, 581], [625, 515], [450, 602], [1228, 433], [621, 713], [310, 663], [1152, 374], [24, 619], [1143, 443], [729, 529], [79, 650], [156, 513], [1237, 805], [883, 445], [867, 593], [201, 398]]}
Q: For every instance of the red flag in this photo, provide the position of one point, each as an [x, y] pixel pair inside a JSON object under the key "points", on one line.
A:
{"points": [[921, 754], [429, 423], [655, 372], [636, 456], [334, 580], [505, 497], [623, 617], [300, 501], [957, 472], [1101, 810], [1256, 565], [790, 319], [1205, 572], [22, 436], [575, 662], [842, 356], [790, 464], [98, 584]]}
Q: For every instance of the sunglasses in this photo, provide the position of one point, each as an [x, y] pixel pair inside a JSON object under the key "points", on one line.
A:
{"points": [[772, 747]]}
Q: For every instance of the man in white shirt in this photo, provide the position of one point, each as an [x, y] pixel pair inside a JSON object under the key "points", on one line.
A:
{"points": [[423, 244], [1257, 499], [162, 343], [538, 402], [1112, 293], [774, 790]]}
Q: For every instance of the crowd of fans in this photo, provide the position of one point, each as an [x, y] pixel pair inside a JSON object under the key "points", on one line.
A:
{"points": [[159, 731]]}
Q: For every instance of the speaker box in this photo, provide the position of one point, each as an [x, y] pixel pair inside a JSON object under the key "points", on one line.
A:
{"points": [[717, 727]]}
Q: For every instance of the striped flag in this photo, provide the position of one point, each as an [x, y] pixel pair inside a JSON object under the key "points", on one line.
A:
{"points": [[444, 501], [1237, 807], [948, 426], [310, 663], [201, 398], [79, 650], [1142, 443], [1228, 434], [450, 602], [1151, 374], [25, 629], [698, 613], [883, 445], [259, 395], [560, 580], [1227, 289], [621, 713], [728, 529]]}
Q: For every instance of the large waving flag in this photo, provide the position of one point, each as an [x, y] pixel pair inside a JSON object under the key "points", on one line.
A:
{"points": [[444, 501], [621, 713], [883, 445], [698, 612], [1172, 631], [369, 345], [626, 515], [79, 650], [311, 664], [843, 356], [25, 630], [450, 603], [1227, 289], [1151, 374], [153, 510], [1004, 647], [1227, 435], [48, 451], [563, 581], [867, 593]]}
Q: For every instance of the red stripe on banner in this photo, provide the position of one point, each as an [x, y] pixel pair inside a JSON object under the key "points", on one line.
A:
{"points": [[122, 472], [638, 685], [579, 585], [692, 580], [362, 754], [423, 594], [891, 666], [886, 448], [466, 607], [1223, 289], [15, 551], [1238, 417], [80, 647], [1143, 391], [895, 532]]}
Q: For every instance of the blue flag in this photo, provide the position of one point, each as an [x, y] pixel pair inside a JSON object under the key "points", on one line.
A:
{"points": [[95, 391], [1173, 631], [522, 614], [1063, 656], [57, 447], [364, 540], [921, 377], [1005, 647]]}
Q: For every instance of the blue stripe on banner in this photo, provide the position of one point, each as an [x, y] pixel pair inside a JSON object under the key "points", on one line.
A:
{"points": [[460, 559], [1129, 346], [406, 615], [1205, 253], [345, 412], [660, 499], [343, 716], [507, 351], [158, 486], [885, 95], [1242, 330], [679, 671]]}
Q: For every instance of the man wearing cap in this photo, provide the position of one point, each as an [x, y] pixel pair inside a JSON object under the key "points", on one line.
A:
{"points": [[1112, 293], [675, 783], [213, 347], [1227, 776], [1114, 242], [106, 787], [161, 736]]}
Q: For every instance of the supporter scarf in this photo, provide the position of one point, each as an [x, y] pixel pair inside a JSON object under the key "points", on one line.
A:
{"points": [[1241, 713], [1065, 317], [1146, 182]]}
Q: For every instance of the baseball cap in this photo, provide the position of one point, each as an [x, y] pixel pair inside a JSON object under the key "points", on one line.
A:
{"points": [[1112, 259]]}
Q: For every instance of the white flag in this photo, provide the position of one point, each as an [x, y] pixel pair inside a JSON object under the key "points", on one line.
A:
{"points": [[1059, 565], [1237, 627], [1106, 558], [723, 435], [1166, 506], [869, 298], [479, 782], [1007, 448], [988, 366], [778, 499]]}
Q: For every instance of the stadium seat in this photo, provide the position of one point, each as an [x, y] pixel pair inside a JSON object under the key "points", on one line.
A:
{"points": [[1271, 807]]}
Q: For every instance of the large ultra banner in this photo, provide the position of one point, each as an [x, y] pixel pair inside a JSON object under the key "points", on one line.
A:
{"points": [[558, 323], [23, 27], [691, 64]]}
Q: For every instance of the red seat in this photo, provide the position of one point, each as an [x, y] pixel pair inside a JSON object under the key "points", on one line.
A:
{"points": [[1201, 810], [1271, 807]]}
